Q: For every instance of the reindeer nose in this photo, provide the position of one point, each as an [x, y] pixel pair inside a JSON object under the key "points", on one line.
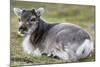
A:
{"points": [[22, 29]]}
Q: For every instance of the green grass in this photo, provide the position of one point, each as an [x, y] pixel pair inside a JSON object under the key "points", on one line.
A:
{"points": [[77, 14]]}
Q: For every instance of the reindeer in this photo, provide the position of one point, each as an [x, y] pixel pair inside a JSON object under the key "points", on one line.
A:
{"points": [[65, 40]]}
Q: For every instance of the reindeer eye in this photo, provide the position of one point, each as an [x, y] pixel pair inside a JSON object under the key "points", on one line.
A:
{"points": [[33, 19]]}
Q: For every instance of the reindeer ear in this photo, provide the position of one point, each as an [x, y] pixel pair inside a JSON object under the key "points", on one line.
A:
{"points": [[18, 12], [40, 11]]}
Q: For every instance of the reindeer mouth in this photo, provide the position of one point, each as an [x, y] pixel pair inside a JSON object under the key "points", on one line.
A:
{"points": [[21, 34]]}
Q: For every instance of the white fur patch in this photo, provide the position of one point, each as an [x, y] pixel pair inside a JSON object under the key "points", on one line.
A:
{"points": [[63, 55], [19, 33], [29, 48], [87, 47]]}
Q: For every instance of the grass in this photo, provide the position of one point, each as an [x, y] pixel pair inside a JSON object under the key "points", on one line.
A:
{"points": [[77, 14]]}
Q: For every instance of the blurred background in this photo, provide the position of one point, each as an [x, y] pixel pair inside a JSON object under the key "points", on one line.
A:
{"points": [[83, 15]]}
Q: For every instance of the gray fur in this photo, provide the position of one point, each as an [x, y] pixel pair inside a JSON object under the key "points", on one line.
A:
{"points": [[66, 41]]}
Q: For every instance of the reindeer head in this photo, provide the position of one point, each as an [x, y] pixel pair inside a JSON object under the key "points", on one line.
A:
{"points": [[27, 19]]}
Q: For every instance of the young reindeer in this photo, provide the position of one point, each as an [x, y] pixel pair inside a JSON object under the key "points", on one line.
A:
{"points": [[64, 40]]}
